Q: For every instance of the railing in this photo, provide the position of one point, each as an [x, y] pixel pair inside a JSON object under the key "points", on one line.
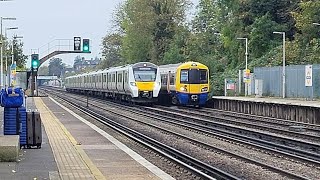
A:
{"points": [[55, 45]]}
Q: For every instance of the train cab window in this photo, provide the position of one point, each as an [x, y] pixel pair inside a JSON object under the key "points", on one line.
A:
{"points": [[198, 76], [144, 74], [184, 76], [203, 76]]}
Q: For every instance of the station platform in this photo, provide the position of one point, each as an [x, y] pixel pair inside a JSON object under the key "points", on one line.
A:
{"points": [[289, 109], [285, 101], [73, 148]]}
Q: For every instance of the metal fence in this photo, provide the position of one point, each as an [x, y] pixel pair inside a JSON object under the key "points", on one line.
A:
{"points": [[295, 81]]}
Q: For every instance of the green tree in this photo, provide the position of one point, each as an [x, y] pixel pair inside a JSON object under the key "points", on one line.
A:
{"points": [[149, 27], [55, 67], [43, 71], [19, 57], [111, 51]]}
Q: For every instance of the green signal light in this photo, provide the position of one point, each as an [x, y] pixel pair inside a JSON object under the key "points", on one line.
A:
{"points": [[35, 61], [35, 64], [86, 45]]}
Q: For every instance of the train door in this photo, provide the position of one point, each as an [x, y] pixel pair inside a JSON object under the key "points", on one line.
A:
{"points": [[123, 74], [116, 81], [108, 80]]}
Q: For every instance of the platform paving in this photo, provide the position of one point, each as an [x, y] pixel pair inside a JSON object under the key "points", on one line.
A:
{"points": [[73, 148], [32, 163], [112, 158]]}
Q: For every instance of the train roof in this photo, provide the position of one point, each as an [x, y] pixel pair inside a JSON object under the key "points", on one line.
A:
{"points": [[174, 67], [109, 69]]}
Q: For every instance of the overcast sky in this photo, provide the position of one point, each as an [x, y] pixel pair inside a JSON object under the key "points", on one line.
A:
{"points": [[41, 21]]}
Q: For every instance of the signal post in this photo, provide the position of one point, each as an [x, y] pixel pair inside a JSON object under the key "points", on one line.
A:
{"points": [[34, 71]]}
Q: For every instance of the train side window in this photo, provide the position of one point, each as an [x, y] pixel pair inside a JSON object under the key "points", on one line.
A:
{"points": [[104, 78], [172, 80], [164, 79], [125, 77], [113, 78], [119, 77]]}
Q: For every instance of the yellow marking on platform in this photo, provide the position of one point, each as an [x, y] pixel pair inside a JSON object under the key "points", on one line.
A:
{"points": [[72, 161]]}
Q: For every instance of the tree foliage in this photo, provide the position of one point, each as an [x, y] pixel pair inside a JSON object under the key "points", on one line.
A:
{"points": [[43, 71], [55, 67], [18, 55], [157, 31], [111, 50]]}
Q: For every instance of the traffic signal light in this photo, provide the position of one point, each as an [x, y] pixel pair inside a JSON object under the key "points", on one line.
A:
{"points": [[35, 61], [86, 45]]}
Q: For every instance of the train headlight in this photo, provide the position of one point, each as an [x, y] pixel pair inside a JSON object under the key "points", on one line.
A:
{"points": [[133, 84], [183, 89], [205, 89]]}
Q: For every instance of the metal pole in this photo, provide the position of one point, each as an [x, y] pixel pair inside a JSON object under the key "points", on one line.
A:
{"points": [[1, 66], [246, 93], [6, 81], [240, 81], [284, 66], [246, 53], [225, 87], [87, 98], [12, 56]]}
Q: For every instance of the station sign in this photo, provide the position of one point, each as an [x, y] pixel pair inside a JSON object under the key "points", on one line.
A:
{"points": [[246, 76], [230, 85], [77, 44], [308, 75], [13, 69]]}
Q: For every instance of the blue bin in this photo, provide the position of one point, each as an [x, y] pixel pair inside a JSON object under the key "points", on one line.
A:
{"points": [[15, 123]]}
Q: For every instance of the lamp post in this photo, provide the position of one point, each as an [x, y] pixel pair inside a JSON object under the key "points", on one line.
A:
{"points": [[12, 54], [6, 64], [1, 49], [284, 63], [246, 54]]}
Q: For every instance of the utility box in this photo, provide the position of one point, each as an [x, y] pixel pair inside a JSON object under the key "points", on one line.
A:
{"points": [[258, 87], [34, 131]]}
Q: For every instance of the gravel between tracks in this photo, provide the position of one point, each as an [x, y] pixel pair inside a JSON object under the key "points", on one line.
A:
{"points": [[234, 166]]}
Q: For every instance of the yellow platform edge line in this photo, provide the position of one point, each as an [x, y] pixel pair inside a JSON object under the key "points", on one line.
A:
{"points": [[94, 170]]}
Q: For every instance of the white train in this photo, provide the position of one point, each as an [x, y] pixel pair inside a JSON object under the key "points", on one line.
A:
{"points": [[138, 82]]}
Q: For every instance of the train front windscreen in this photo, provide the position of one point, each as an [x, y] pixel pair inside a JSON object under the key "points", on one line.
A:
{"points": [[194, 76], [145, 74]]}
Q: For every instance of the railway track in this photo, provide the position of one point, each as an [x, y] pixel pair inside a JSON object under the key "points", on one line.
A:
{"points": [[246, 129], [310, 158], [286, 125], [200, 168]]}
